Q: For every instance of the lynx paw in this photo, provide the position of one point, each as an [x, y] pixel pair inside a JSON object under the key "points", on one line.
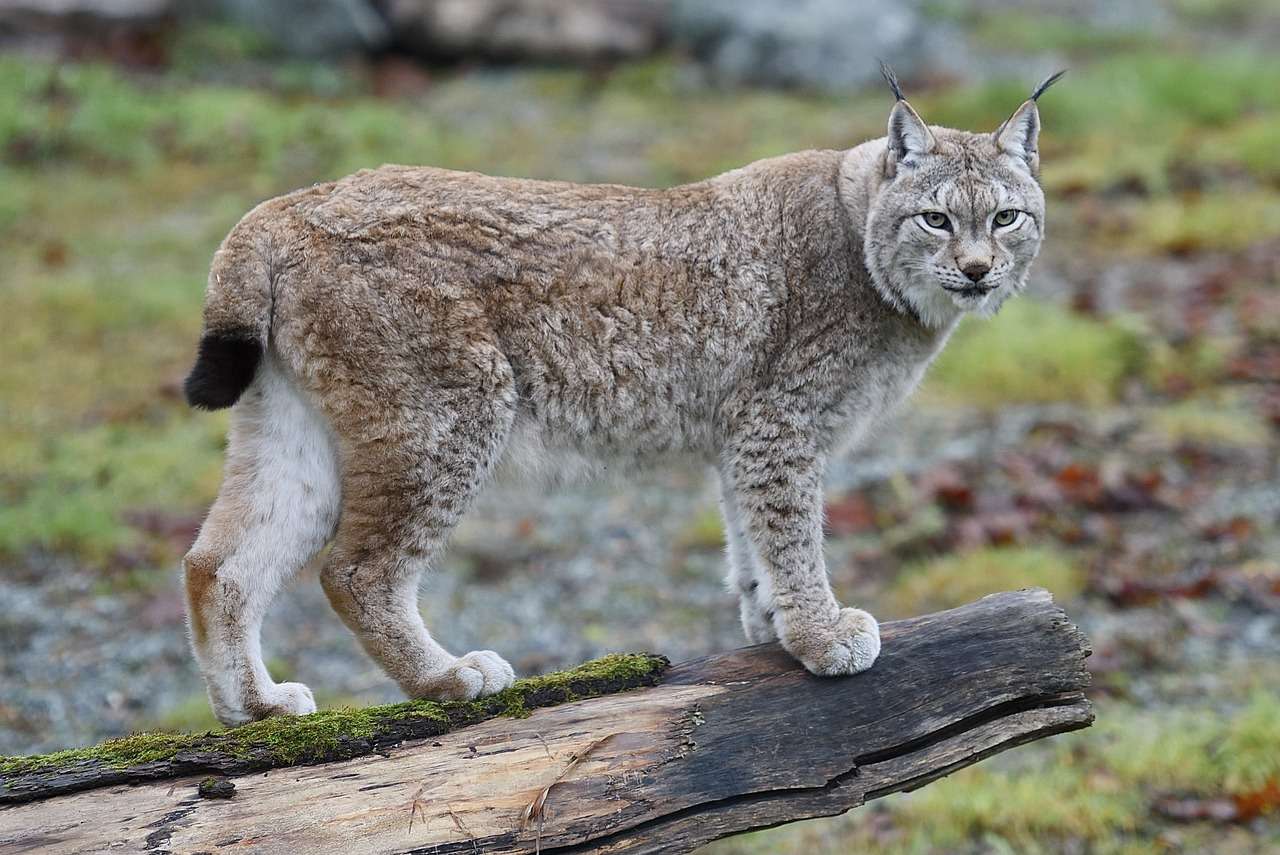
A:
{"points": [[475, 675], [847, 647], [289, 699], [279, 699]]}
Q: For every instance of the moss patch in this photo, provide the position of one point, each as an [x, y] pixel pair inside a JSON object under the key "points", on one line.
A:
{"points": [[344, 733]]}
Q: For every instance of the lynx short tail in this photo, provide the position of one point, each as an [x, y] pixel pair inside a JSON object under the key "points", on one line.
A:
{"points": [[225, 366], [237, 321]]}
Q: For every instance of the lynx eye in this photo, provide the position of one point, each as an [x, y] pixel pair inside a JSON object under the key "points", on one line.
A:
{"points": [[936, 220], [1006, 217]]}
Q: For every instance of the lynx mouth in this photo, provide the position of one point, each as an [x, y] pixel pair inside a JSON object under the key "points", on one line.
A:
{"points": [[970, 290]]}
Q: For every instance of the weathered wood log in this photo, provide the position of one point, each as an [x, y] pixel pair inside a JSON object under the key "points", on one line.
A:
{"points": [[324, 737], [723, 744]]}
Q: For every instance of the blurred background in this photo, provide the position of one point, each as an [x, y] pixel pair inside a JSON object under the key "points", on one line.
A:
{"points": [[1112, 436]]}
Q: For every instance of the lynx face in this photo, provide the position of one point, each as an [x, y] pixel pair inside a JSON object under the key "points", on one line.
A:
{"points": [[960, 216]]}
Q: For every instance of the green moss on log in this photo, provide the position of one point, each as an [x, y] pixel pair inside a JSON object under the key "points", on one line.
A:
{"points": [[344, 733]]}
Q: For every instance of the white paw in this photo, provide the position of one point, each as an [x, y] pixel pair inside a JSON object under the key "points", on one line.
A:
{"points": [[278, 699], [849, 646], [475, 675], [288, 699]]}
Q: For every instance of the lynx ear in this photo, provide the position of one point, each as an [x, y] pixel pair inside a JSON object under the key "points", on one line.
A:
{"points": [[909, 137], [1020, 134]]}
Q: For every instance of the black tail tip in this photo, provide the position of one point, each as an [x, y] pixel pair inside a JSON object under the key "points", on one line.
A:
{"points": [[225, 365]]}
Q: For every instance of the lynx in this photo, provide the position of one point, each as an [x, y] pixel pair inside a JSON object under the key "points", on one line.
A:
{"points": [[393, 339]]}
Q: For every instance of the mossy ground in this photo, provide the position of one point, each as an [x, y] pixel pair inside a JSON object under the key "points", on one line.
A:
{"points": [[327, 734]]}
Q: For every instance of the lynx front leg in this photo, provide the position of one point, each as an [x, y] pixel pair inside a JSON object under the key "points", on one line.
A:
{"points": [[776, 480], [402, 495]]}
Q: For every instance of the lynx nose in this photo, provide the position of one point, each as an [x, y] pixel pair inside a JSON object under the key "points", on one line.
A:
{"points": [[975, 270]]}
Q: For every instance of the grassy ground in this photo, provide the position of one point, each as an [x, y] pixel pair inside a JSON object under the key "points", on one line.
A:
{"points": [[1161, 160], [114, 190]]}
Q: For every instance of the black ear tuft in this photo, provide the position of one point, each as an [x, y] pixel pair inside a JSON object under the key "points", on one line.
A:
{"points": [[892, 80], [1046, 83], [225, 365]]}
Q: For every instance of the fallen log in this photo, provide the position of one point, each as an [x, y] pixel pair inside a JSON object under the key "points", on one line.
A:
{"points": [[719, 745], [324, 737]]}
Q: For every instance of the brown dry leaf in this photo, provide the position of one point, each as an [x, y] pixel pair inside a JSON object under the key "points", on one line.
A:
{"points": [[849, 514], [1140, 592], [1257, 802], [948, 487]]}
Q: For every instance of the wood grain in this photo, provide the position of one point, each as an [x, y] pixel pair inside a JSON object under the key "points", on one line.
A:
{"points": [[723, 744]]}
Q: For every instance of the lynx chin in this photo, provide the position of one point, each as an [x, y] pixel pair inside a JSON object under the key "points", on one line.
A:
{"points": [[393, 340]]}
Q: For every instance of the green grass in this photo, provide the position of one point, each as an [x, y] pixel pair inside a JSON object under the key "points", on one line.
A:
{"points": [[1197, 221], [703, 531], [76, 484], [115, 189], [1038, 31], [191, 714], [953, 580], [1034, 352], [1140, 97], [1212, 422]]}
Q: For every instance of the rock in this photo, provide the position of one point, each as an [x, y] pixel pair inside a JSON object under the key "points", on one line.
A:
{"points": [[127, 31], [216, 788], [309, 28], [101, 10], [538, 30], [826, 44]]}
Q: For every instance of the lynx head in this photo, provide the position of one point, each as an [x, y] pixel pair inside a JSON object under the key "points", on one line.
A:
{"points": [[958, 216]]}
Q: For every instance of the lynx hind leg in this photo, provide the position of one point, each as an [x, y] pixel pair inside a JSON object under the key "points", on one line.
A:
{"points": [[405, 485], [277, 507], [744, 577]]}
